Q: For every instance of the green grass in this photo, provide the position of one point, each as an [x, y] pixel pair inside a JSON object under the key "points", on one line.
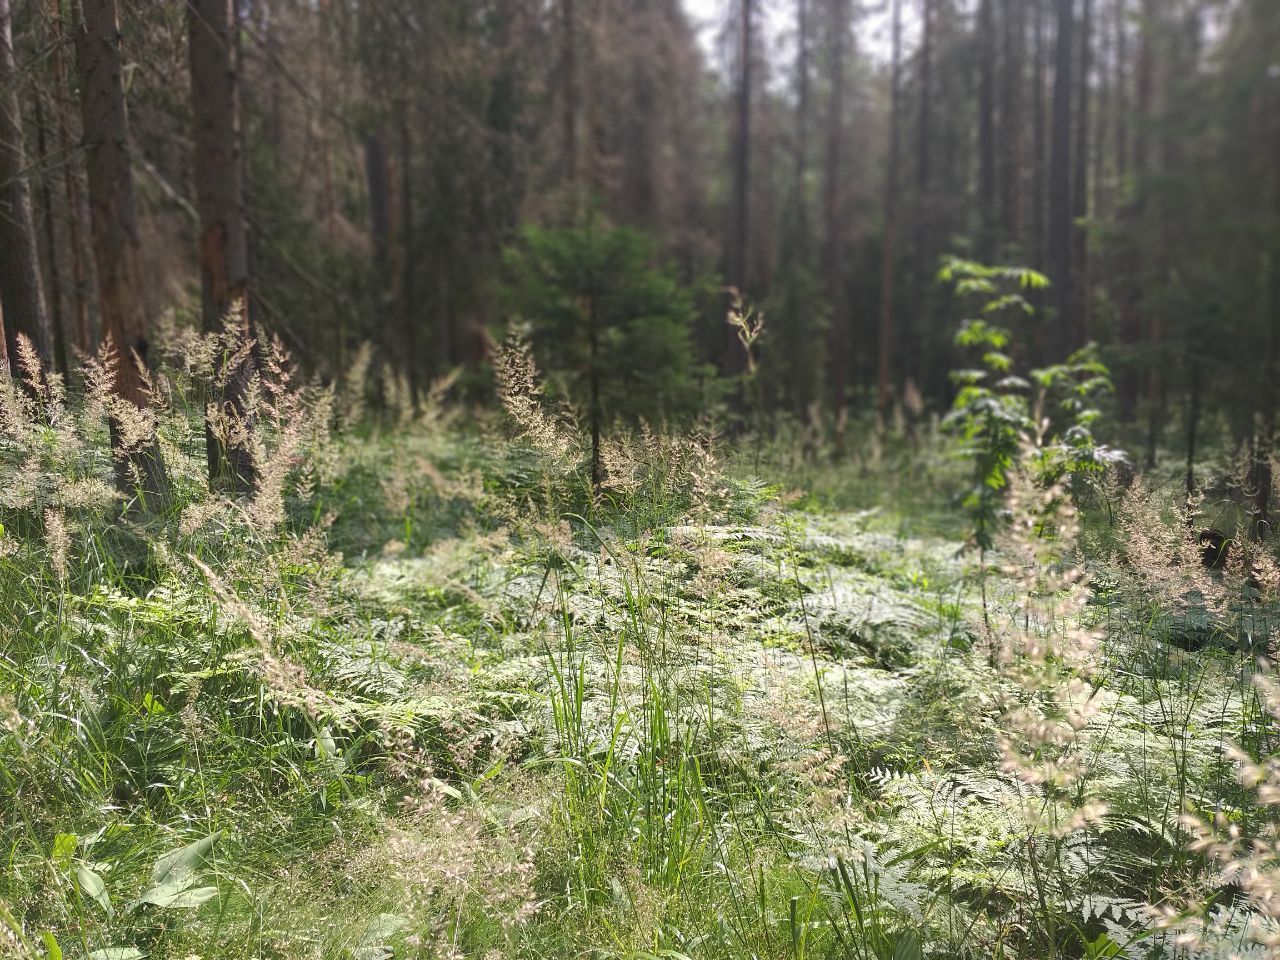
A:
{"points": [[448, 706]]}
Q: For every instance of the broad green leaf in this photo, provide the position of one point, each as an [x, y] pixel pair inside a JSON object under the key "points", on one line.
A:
{"points": [[184, 860], [373, 945], [64, 848], [116, 953], [51, 945], [91, 886], [175, 872], [191, 898]]}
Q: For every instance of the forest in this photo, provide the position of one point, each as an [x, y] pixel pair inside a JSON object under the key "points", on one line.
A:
{"points": [[639, 479]]}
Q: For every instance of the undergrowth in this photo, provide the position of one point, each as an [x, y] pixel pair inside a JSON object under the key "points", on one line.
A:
{"points": [[439, 691]]}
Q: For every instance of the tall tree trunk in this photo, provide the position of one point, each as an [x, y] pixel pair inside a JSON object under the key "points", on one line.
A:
{"points": [[60, 351], [1193, 422], [1039, 188], [924, 172], [21, 285], [885, 333], [833, 257], [1102, 195], [116, 245], [916, 320], [740, 215], [1262, 506], [71, 181], [224, 251], [639, 191], [1060, 185], [1122, 92], [986, 128], [406, 255], [1038, 222], [738, 245], [569, 98], [1080, 189], [797, 244], [1129, 263], [1014, 38]]}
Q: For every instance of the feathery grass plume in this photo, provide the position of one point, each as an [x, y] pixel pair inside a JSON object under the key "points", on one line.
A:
{"points": [[622, 467], [291, 424], [434, 414], [284, 680], [521, 397], [135, 427], [1048, 650], [1165, 557], [706, 491], [58, 543], [1243, 844], [352, 403], [17, 409], [397, 396], [32, 369]]}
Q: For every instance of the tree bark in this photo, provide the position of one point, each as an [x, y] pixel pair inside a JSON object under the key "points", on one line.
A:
{"points": [[224, 251], [924, 173], [885, 334], [741, 216], [116, 245], [1067, 338], [569, 98], [21, 284], [60, 351], [1012, 117], [797, 248], [406, 259], [1080, 189], [833, 257], [738, 242], [986, 128], [71, 182]]}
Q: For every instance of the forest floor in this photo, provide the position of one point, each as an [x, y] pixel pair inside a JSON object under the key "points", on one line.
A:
{"points": [[455, 726]]}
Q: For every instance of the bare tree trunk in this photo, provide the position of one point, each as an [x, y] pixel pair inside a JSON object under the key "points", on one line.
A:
{"points": [[738, 242], [71, 183], [569, 98], [1142, 167], [224, 250], [1122, 91], [61, 354], [833, 265], [741, 215], [1039, 180], [404, 267], [924, 172], [1080, 190], [1193, 424], [986, 128], [1128, 379], [798, 242], [885, 335], [1060, 184], [1014, 35], [915, 320], [1102, 196], [116, 246], [21, 285]]}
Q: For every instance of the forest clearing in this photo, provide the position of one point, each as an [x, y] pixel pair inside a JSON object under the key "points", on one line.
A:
{"points": [[639, 479]]}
